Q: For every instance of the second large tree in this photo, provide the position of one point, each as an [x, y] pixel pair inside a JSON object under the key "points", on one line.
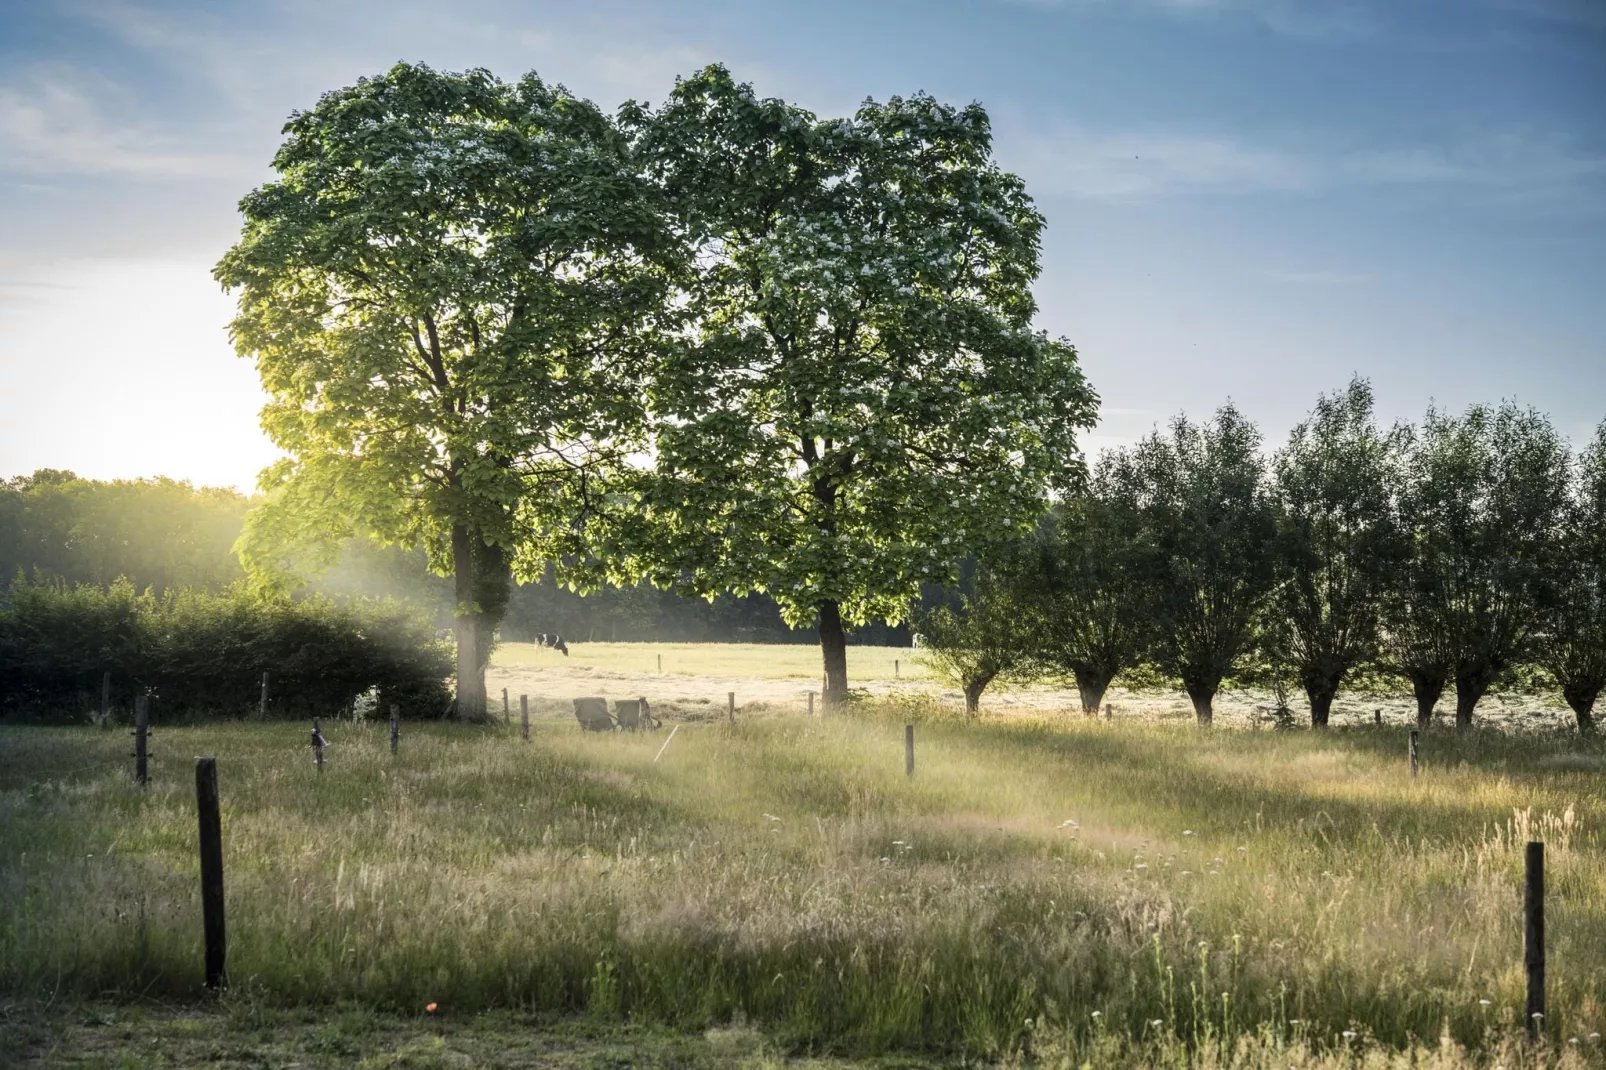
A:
{"points": [[858, 396]]}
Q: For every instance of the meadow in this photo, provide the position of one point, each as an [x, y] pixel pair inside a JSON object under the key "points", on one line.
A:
{"points": [[1045, 890]]}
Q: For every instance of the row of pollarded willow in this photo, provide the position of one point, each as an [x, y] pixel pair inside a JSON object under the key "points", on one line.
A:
{"points": [[477, 307], [1450, 553]]}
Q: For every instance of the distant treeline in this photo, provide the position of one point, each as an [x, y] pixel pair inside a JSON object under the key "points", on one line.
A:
{"points": [[164, 535]]}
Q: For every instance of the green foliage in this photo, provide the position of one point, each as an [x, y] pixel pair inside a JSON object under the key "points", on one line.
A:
{"points": [[987, 637], [1338, 543], [1483, 501], [1088, 578], [1205, 509], [857, 397], [441, 292], [1571, 633], [159, 533], [204, 654]]}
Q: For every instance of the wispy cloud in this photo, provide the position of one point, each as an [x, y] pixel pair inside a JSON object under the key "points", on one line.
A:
{"points": [[1140, 166], [1512, 165], [55, 120], [1321, 278], [1339, 21]]}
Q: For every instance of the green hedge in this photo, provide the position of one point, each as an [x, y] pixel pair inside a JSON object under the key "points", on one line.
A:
{"points": [[200, 654]]}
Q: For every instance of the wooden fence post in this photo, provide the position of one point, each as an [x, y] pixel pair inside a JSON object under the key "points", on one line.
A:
{"points": [[142, 719], [395, 727], [1533, 936], [660, 664], [894, 668], [1412, 753], [211, 823], [811, 703], [908, 750], [730, 706], [262, 703], [1377, 716], [507, 711], [105, 698], [524, 716], [317, 744]]}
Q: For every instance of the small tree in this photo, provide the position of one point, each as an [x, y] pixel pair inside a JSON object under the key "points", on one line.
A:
{"points": [[1201, 493], [1337, 543], [1571, 642], [858, 399], [985, 639], [1088, 582], [440, 292], [1482, 504]]}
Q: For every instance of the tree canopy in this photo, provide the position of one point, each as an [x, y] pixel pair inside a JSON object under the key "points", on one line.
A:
{"points": [[856, 397], [440, 292], [1338, 543], [1202, 496]]}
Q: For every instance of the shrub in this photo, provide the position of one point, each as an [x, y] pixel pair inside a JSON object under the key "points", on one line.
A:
{"points": [[204, 654]]}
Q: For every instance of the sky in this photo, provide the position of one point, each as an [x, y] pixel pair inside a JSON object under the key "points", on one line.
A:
{"points": [[1246, 199]]}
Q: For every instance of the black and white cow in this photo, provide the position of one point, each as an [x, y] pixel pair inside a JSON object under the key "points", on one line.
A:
{"points": [[552, 641]]}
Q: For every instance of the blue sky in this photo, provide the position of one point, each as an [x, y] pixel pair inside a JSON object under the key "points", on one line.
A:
{"points": [[1246, 198]]}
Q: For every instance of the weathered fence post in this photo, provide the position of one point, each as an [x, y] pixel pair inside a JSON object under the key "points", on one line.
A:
{"points": [[811, 703], [524, 716], [507, 711], [908, 750], [142, 724], [730, 706], [660, 664], [206, 804], [1377, 716], [1109, 711], [894, 668], [395, 727], [262, 703], [105, 698], [1533, 936], [318, 743], [1412, 752]]}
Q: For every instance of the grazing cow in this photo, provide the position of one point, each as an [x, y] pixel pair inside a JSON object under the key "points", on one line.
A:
{"points": [[552, 641]]}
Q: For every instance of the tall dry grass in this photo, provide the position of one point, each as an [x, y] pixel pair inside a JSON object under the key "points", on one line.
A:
{"points": [[1060, 890]]}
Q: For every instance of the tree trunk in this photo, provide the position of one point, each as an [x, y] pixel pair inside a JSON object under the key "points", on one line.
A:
{"points": [[1427, 687], [1321, 705], [470, 666], [1581, 697], [1468, 692], [1203, 696], [1091, 685], [973, 690], [834, 649]]}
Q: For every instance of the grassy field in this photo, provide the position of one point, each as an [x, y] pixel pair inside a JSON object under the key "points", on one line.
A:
{"points": [[1042, 891], [750, 661]]}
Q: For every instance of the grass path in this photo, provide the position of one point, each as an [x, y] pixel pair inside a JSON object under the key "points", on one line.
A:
{"points": [[1064, 891]]}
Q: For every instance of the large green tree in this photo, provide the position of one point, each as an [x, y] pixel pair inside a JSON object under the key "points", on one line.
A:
{"points": [[1206, 510], [441, 292], [1088, 583], [858, 396], [1571, 643], [982, 638], [1482, 505], [1338, 543]]}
